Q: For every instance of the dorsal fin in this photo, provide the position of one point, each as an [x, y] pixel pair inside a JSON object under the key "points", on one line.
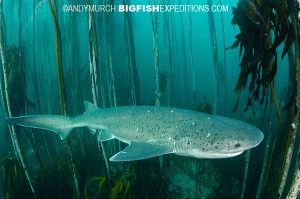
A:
{"points": [[89, 107]]}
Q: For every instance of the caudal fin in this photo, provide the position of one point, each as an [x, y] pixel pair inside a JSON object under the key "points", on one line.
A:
{"points": [[61, 125]]}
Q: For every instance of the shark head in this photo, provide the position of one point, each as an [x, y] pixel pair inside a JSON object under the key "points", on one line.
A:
{"points": [[228, 138], [244, 137]]}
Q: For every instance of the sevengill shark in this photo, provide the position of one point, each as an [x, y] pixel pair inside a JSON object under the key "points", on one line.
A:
{"points": [[152, 131]]}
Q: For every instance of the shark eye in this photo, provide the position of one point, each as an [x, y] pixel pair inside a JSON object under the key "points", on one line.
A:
{"points": [[237, 145]]}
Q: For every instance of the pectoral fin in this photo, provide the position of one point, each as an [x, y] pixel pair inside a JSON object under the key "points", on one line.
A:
{"points": [[141, 150]]}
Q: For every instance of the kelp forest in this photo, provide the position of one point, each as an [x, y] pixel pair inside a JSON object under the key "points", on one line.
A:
{"points": [[243, 63]]}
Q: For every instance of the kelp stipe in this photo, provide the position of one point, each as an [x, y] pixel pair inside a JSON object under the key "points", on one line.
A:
{"points": [[60, 76], [155, 25], [94, 67], [214, 44], [6, 101], [131, 58]]}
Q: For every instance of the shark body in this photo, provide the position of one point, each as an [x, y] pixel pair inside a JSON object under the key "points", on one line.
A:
{"points": [[153, 131]]}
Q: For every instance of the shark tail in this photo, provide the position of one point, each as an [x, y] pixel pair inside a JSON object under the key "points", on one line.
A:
{"points": [[58, 124]]}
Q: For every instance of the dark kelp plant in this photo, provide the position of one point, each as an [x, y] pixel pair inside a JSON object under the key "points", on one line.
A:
{"points": [[265, 26]]}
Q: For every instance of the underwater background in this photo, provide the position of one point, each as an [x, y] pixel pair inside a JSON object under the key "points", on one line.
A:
{"points": [[240, 62]]}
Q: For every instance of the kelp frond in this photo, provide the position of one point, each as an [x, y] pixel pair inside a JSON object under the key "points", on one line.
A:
{"points": [[258, 22]]}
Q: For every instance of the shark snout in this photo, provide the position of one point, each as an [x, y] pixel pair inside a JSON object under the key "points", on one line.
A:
{"points": [[257, 138], [253, 137]]}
